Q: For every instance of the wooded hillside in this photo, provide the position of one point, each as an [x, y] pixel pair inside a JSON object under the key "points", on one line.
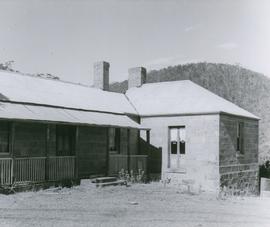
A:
{"points": [[247, 89]]}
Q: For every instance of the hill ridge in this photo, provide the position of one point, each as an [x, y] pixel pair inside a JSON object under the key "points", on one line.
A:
{"points": [[246, 88]]}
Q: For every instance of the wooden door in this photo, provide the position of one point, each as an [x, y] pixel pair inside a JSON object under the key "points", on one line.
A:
{"points": [[177, 153]]}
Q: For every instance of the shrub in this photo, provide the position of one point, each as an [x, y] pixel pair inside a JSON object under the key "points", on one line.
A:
{"points": [[67, 183], [132, 177], [265, 169]]}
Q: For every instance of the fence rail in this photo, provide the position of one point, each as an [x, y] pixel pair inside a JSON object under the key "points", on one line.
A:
{"points": [[33, 169], [5, 171], [29, 169], [61, 167], [118, 162]]}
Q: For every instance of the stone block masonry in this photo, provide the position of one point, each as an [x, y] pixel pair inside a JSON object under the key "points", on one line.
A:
{"points": [[239, 172]]}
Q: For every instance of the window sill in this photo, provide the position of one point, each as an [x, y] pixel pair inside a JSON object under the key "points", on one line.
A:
{"points": [[180, 171], [4, 153], [114, 152], [238, 155]]}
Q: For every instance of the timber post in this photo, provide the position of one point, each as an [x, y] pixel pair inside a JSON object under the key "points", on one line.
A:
{"points": [[76, 169], [107, 168], [47, 152], [148, 136], [11, 150], [148, 151], [128, 150]]}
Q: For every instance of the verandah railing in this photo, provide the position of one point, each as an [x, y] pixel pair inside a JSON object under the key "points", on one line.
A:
{"points": [[132, 162], [61, 167], [5, 171], [29, 169], [36, 169]]}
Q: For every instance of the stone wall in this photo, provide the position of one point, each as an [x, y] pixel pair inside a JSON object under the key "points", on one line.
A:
{"points": [[238, 172], [202, 145]]}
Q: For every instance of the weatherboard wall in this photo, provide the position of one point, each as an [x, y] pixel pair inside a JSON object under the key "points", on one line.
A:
{"points": [[93, 148], [39, 140], [29, 139], [92, 151]]}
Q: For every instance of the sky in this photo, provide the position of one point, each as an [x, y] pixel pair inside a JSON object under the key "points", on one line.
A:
{"points": [[65, 37]]}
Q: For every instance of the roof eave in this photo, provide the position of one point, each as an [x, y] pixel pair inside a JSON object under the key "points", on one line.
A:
{"points": [[198, 113]]}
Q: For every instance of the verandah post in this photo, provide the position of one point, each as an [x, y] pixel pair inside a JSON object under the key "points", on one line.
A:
{"points": [[76, 171], [148, 136], [148, 154], [128, 149], [46, 152], [107, 169], [11, 150]]}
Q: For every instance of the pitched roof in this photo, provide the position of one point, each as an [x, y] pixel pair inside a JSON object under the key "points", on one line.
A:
{"points": [[180, 97], [19, 88], [24, 97], [165, 98], [52, 114]]}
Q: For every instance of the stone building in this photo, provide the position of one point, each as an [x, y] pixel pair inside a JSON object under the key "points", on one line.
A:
{"points": [[52, 130], [205, 139]]}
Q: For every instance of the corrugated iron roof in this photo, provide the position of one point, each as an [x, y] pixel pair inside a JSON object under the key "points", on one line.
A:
{"points": [[32, 89], [61, 115], [180, 97]]}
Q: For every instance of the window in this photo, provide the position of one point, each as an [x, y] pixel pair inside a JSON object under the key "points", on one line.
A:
{"points": [[182, 140], [240, 138], [4, 134], [178, 140], [65, 140], [114, 139], [174, 140]]}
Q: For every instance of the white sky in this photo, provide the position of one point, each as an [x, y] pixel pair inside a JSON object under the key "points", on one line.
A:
{"points": [[66, 37]]}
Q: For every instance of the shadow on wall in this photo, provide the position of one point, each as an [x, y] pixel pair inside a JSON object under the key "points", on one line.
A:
{"points": [[154, 159]]}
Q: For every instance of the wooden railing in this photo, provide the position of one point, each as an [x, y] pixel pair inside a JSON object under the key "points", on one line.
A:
{"points": [[138, 162], [33, 169], [29, 169], [61, 167], [133, 162], [116, 163], [5, 171]]}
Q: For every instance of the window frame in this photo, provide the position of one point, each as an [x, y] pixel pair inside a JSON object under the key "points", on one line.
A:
{"points": [[8, 137], [116, 139], [178, 139], [179, 154], [240, 138], [68, 134]]}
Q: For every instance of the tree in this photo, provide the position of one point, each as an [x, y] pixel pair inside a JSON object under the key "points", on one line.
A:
{"points": [[7, 66]]}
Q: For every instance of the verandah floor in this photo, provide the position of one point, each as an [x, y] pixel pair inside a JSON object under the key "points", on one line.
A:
{"points": [[155, 205]]}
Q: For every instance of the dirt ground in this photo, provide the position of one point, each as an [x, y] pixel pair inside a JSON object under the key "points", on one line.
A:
{"points": [[138, 205]]}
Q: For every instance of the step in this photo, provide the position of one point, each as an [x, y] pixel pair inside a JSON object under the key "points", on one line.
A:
{"points": [[104, 179], [115, 183]]}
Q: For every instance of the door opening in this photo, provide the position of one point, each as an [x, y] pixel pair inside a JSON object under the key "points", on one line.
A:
{"points": [[177, 147]]}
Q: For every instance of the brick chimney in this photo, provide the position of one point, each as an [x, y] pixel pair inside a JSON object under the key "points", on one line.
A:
{"points": [[136, 77], [101, 75]]}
